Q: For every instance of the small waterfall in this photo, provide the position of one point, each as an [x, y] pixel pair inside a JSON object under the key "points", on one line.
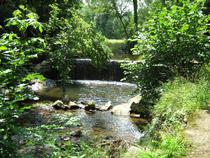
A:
{"points": [[97, 83], [85, 70]]}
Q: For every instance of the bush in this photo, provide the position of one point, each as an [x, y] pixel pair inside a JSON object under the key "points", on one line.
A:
{"points": [[69, 36], [170, 146], [173, 41], [16, 50], [179, 100]]}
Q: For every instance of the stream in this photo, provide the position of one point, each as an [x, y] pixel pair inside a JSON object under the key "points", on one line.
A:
{"points": [[97, 124]]}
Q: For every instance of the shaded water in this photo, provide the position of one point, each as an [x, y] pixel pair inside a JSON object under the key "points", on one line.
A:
{"points": [[104, 124], [98, 123], [85, 70]]}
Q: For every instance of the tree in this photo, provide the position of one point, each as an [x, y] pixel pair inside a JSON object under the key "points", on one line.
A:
{"points": [[113, 18], [69, 36], [173, 41], [16, 50], [135, 13]]}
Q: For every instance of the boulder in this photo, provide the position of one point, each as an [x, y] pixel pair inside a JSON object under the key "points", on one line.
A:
{"points": [[124, 109], [135, 99], [72, 105], [38, 86], [89, 105], [135, 104], [59, 105], [121, 109], [77, 133], [46, 108], [105, 107], [133, 152], [135, 115]]}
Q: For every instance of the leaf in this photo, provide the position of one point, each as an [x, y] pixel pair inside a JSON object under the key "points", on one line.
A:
{"points": [[17, 13], [5, 72], [40, 29], [22, 7], [3, 48], [184, 28], [32, 76]]}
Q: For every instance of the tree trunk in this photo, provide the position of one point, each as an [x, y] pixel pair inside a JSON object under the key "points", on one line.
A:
{"points": [[120, 17], [135, 13]]}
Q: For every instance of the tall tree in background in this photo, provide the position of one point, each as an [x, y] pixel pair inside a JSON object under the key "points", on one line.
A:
{"points": [[120, 16], [135, 13]]}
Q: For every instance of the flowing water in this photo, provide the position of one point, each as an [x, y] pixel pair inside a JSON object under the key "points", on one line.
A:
{"points": [[100, 123]]}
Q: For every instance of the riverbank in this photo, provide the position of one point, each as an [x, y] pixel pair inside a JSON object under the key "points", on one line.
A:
{"points": [[198, 133], [179, 103]]}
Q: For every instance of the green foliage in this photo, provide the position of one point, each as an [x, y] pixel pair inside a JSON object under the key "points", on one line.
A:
{"points": [[32, 76], [23, 18], [15, 52], [73, 37], [173, 146], [56, 138], [113, 18], [173, 41], [180, 99], [170, 146], [117, 46]]}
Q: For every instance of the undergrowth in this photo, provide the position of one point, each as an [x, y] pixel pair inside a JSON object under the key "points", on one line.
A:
{"points": [[179, 101]]}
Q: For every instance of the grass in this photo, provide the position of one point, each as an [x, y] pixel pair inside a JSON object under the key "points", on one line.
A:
{"points": [[120, 49], [118, 46], [180, 100]]}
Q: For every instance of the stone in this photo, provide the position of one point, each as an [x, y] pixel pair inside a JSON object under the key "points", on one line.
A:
{"points": [[88, 102], [135, 115], [105, 107], [89, 105], [135, 104], [46, 108], [135, 99], [38, 86], [72, 105], [121, 109], [124, 109], [133, 152], [59, 105], [77, 133]]}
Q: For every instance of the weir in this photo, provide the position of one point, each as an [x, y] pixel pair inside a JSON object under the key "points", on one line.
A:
{"points": [[85, 70]]}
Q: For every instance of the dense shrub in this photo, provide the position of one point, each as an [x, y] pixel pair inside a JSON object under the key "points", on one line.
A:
{"points": [[173, 41], [16, 50], [69, 36]]}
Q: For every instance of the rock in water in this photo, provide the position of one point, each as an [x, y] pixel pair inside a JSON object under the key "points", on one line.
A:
{"points": [[72, 105], [121, 109], [105, 107], [59, 105], [135, 107], [135, 99], [38, 86], [124, 109], [89, 105]]}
